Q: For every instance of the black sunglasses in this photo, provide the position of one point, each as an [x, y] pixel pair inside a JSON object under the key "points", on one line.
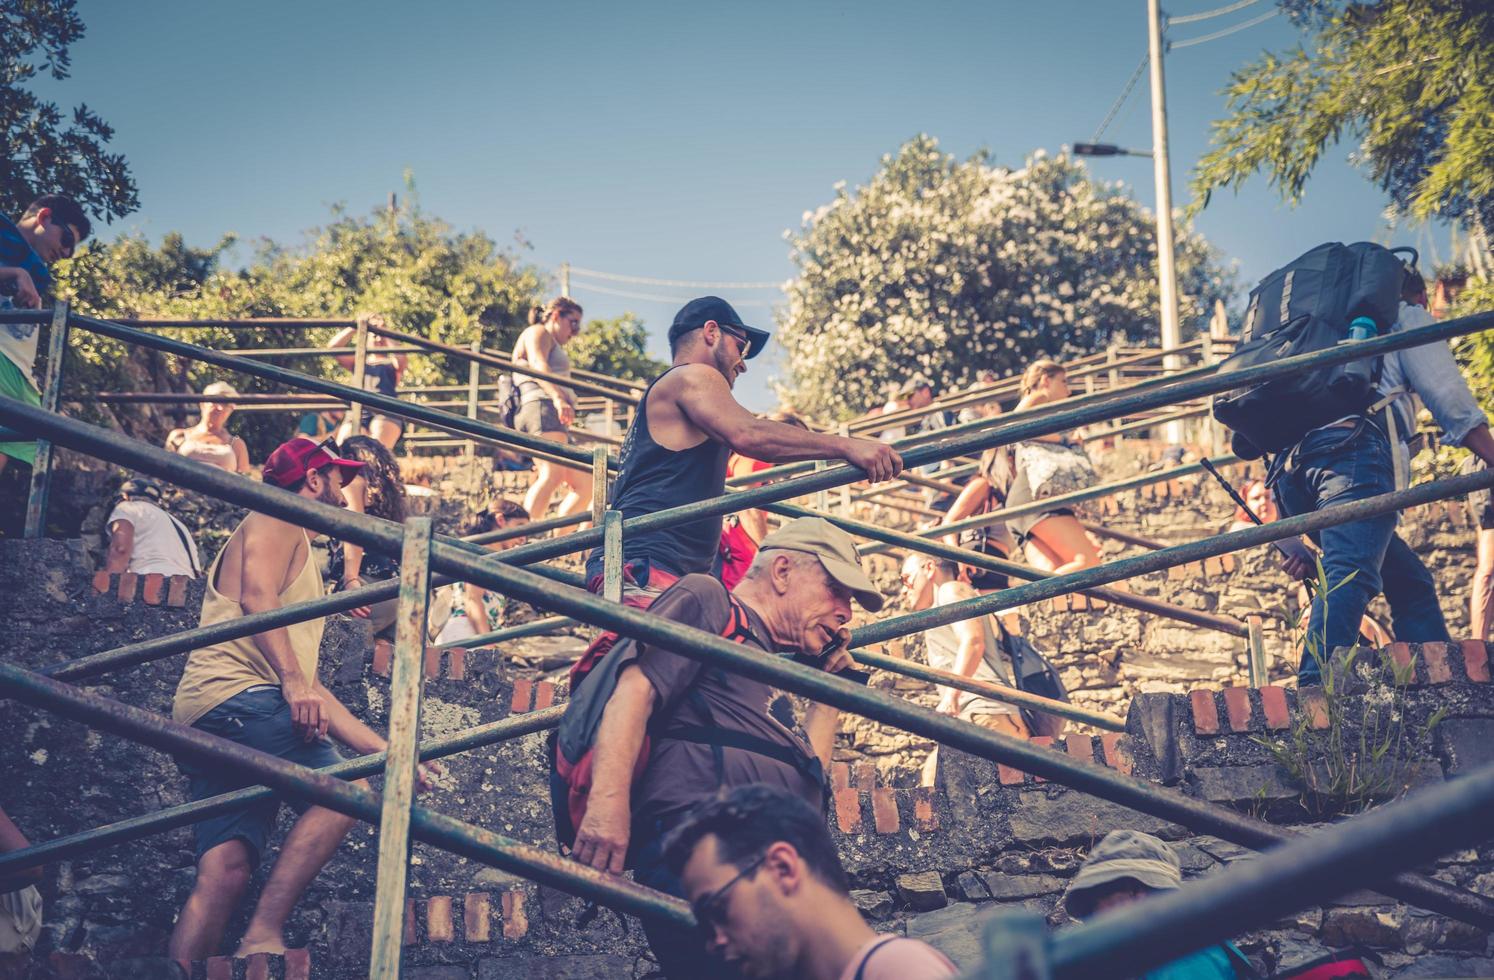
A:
{"points": [[69, 240], [741, 337], [710, 909]]}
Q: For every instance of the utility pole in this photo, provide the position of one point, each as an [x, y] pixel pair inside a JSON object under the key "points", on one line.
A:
{"points": [[1172, 335], [565, 279]]}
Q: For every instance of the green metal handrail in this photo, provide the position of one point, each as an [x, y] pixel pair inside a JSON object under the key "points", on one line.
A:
{"points": [[713, 650], [387, 404]]}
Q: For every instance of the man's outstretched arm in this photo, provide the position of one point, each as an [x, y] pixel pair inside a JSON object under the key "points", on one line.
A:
{"points": [[706, 400]]}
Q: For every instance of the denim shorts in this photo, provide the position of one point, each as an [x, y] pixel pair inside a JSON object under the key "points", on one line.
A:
{"points": [[260, 719]]}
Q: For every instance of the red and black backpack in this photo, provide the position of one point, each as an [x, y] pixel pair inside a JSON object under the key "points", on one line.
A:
{"points": [[593, 679]]}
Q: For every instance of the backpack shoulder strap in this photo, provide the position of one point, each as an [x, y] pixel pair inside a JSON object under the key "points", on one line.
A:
{"points": [[181, 532]]}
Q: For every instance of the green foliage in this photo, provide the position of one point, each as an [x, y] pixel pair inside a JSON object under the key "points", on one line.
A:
{"points": [[1407, 80], [1475, 355], [617, 347], [944, 268], [40, 152], [425, 277], [1363, 756]]}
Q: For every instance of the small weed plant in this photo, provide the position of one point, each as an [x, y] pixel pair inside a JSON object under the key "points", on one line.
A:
{"points": [[1364, 754]]}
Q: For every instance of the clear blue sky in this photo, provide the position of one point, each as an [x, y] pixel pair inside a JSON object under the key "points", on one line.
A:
{"points": [[672, 140]]}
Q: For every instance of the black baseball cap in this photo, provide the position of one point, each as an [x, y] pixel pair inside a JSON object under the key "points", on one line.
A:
{"points": [[694, 314]]}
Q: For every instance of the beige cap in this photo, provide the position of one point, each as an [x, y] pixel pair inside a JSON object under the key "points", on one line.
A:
{"points": [[836, 551], [1122, 854]]}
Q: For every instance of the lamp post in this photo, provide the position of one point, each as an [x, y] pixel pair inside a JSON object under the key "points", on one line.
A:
{"points": [[1167, 276]]}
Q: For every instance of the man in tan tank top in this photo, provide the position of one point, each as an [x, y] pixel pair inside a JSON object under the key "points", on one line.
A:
{"points": [[262, 691]]}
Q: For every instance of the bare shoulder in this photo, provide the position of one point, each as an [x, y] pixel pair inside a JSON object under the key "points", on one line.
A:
{"points": [[692, 379], [175, 438], [269, 535]]}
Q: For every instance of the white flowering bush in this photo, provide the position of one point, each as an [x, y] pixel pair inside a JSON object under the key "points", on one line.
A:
{"points": [[943, 268]]}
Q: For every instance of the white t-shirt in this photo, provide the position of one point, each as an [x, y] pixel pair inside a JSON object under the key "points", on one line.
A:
{"points": [[158, 545]]}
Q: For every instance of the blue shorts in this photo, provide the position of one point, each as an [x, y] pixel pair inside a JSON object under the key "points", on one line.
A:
{"points": [[259, 719]]}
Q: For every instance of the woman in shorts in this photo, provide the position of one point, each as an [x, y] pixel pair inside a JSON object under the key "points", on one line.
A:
{"points": [[381, 373], [1054, 540], [548, 408]]}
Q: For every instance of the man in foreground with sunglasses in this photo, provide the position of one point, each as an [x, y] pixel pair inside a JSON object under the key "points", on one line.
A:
{"points": [[49, 230], [772, 900], [675, 453], [262, 691]]}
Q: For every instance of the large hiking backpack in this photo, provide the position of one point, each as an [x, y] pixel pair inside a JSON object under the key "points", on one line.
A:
{"points": [[1309, 305], [592, 680]]}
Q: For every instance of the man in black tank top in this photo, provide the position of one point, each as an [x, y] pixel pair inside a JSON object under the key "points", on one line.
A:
{"points": [[687, 425]]}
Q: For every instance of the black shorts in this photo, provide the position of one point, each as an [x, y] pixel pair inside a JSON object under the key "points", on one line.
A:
{"points": [[260, 719]]}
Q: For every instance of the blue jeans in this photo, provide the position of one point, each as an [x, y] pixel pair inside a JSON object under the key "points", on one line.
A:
{"points": [[1335, 466]]}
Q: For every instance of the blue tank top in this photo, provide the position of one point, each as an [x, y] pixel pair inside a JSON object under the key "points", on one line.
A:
{"points": [[652, 478]]}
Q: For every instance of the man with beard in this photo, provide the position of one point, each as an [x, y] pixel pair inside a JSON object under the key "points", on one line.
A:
{"points": [[675, 453], [262, 691]]}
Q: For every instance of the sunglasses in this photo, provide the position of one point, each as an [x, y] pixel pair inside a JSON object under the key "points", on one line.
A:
{"points": [[710, 910], [69, 240], [743, 343]]}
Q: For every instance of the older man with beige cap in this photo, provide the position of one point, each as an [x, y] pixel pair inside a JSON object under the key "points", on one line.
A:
{"points": [[710, 729]]}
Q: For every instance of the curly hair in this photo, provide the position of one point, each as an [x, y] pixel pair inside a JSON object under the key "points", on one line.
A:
{"points": [[386, 488]]}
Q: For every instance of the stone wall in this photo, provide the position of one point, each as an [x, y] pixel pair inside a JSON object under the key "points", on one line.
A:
{"points": [[931, 863]]}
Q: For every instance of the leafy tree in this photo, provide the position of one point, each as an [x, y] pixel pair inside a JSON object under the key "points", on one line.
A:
{"points": [[617, 347], [943, 268], [1407, 80], [42, 153], [427, 279]]}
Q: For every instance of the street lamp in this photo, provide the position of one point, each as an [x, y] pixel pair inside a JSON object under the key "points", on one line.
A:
{"points": [[1107, 150]]}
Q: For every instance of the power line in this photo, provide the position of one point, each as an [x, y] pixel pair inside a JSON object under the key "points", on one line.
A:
{"points": [[1121, 99], [1216, 12], [654, 298], [1178, 45], [686, 283]]}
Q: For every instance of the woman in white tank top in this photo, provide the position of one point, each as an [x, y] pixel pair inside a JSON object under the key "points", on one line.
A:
{"points": [[209, 441]]}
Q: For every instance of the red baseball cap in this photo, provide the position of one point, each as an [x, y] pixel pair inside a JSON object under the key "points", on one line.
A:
{"points": [[291, 461]]}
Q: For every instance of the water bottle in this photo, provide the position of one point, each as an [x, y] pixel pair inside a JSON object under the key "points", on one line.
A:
{"points": [[1363, 328]]}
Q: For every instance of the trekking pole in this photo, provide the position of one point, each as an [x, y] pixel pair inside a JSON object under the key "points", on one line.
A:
{"points": [[1235, 496]]}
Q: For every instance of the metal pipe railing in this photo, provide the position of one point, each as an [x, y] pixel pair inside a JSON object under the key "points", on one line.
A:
{"points": [[508, 364], [936, 547], [185, 814], [1300, 874], [1070, 499], [483, 431], [301, 783], [1004, 387], [1045, 410], [293, 323], [450, 559], [1181, 554]]}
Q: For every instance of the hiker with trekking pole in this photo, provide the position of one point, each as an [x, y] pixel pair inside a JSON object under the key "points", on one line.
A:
{"points": [[1338, 434]]}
